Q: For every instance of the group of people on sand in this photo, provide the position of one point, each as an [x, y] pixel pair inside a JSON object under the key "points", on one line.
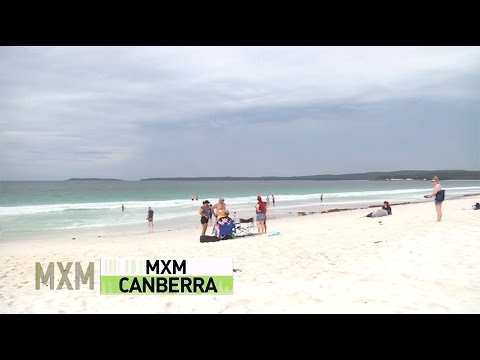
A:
{"points": [[438, 193], [219, 211]]}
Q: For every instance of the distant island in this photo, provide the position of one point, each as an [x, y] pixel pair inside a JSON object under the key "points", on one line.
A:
{"points": [[92, 179], [386, 176]]}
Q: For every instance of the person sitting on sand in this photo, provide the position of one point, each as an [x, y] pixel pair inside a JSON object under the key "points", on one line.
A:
{"points": [[387, 207], [226, 217], [378, 213], [384, 211], [227, 224]]}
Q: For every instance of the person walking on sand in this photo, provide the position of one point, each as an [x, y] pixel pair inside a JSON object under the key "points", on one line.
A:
{"points": [[150, 219], [439, 197], [261, 211], [205, 215]]}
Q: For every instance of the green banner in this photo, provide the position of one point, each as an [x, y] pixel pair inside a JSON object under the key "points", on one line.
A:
{"points": [[166, 285]]}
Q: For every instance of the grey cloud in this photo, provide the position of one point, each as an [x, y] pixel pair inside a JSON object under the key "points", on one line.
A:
{"points": [[93, 111]]}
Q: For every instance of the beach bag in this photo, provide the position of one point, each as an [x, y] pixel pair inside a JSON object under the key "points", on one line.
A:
{"points": [[440, 196], [207, 238]]}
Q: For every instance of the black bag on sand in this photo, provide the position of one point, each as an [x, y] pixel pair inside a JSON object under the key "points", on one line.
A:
{"points": [[208, 238]]}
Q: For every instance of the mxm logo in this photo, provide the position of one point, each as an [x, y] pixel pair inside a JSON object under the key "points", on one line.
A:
{"points": [[80, 275]]}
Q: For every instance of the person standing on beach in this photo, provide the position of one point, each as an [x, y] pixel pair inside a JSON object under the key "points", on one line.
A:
{"points": [[150, 219], [273, 200], [321, 198], [123, 208], [438, 200], [219, 209], [205, 215], [261, 210]]}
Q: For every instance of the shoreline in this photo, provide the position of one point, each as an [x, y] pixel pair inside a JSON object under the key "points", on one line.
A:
{"points": [[141, 228], [340, 262]]}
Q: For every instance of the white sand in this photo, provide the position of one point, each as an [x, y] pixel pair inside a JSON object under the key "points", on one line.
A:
{"points": [[324, 263]]}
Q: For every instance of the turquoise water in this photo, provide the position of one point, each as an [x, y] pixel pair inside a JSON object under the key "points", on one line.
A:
{"points": [[30, 208]]}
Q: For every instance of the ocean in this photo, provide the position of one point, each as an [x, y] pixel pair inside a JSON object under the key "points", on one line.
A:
{"points": [[38, 209]]}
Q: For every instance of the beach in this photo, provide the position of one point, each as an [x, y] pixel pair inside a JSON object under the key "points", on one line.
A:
{"points": [[339, 262]]}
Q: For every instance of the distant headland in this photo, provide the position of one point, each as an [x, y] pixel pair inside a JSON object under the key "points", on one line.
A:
{"points": [[386, 176], [92, 179]]}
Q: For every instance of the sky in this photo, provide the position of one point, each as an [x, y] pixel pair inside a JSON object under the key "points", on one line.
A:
{"points": [[141, 112]]}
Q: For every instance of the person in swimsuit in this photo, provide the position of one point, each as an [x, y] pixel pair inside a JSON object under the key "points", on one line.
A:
{"points": [[219, 209], [261, 217], [205, 215], [438, 202]]}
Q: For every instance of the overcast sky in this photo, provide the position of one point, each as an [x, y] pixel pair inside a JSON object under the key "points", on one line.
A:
{"points": [[140, 112]]}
